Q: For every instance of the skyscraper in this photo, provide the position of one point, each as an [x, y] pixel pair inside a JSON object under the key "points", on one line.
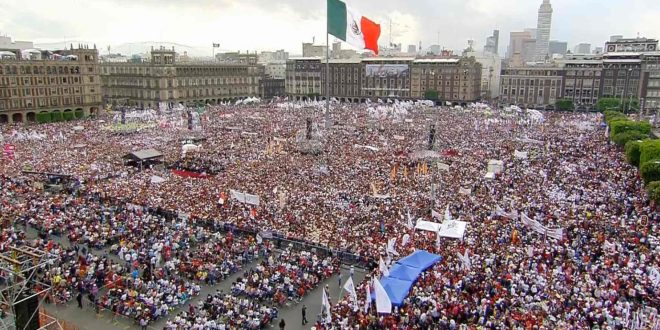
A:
{"points": [[493, 42], [543, 30]]}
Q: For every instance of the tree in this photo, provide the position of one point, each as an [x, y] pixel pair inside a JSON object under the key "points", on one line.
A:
{"points": [[43, 117], [431, 95], [633, 151], [650, 171], [608, 103], [649, 150], [623, 138], [653, 190], [564, 105]]}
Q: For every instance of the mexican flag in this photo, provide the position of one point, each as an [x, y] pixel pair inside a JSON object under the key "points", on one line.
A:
{"points": [[351, 27]]}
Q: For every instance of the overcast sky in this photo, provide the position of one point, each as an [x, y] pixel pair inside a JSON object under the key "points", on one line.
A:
{"points": [[276, 24]]}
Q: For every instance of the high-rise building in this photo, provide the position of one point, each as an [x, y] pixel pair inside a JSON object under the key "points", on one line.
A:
{"points": [[557, 47], [491, 67], [412, 49], [311, 50], [517, 42], [615, 38], [543, 30], [435, 49], [493, 42], [582, 48]]}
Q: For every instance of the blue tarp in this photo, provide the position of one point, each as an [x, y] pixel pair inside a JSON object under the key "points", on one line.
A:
{"points": [[420, 259], [396, 289], [405, 273]]}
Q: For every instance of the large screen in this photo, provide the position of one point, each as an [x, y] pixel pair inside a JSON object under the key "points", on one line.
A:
{"points": [[387, 70]]}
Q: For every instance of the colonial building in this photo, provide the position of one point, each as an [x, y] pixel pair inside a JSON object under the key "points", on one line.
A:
{"points": [[532, 87], [455, 80], [62, 81], [346, 78], [622, 66], [356, 80], [582, 80], [650, 93], [147, 84], [303, 77], [273, 87], [387, 77]]}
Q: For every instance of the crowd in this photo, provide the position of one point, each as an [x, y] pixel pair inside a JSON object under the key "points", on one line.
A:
{"points": [[354, 197], [287, 276]]}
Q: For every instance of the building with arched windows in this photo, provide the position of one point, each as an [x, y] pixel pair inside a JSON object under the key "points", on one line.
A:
{"points": [[60, 81]]}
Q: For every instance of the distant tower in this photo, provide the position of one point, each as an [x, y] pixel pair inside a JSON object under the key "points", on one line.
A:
{"points": [[543, 31]]}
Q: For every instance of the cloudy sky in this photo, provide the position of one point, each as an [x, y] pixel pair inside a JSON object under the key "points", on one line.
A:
{"points": [[275, 24]]}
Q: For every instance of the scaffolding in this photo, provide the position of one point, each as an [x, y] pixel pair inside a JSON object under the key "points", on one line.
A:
{"points": [[19, 282]]}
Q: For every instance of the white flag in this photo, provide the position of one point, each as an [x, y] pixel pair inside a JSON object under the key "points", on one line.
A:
{"points": [[259, 239], [367, 300], [447, 214], [405, 239], [350, 288], [391, 247], [383, 268], [410, 224], [325, 307], [436, 215], [383, 302]]}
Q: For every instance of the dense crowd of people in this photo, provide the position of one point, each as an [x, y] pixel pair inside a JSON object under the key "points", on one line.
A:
{"points": [[164, 238]]}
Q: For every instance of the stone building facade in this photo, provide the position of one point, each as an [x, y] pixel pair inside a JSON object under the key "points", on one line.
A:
{"points": [[303, 77], [532, 87], [162, 80], [66, 81]]}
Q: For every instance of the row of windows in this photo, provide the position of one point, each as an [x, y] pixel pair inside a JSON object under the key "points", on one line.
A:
{"points": [[26, 69], [36, 81], [44, 102], [529, 82]]}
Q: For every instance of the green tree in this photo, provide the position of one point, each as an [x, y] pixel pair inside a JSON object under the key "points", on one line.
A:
{"points": [[431, 95], [608, 103], [623, 138], [633, 151], [650, 171], [43, 117], [565, 105], [653, 190], [649, 150]]}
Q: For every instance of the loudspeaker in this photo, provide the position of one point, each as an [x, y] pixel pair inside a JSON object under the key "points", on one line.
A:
{"points": [[27, 314]]}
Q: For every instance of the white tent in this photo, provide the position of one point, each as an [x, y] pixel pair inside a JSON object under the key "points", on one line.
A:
{"points": [[427, 226]]}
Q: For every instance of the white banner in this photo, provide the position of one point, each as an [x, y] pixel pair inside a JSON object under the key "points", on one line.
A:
{"points": [[453, 229], [443, 167], [520, 154], [244, 198], [556, 233]]}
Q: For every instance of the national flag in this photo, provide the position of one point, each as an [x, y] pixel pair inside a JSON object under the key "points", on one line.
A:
{"points": [[383, 302], [348, 25]]}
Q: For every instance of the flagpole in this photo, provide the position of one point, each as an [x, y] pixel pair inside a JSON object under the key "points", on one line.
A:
{"points": [[327, 74]]}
